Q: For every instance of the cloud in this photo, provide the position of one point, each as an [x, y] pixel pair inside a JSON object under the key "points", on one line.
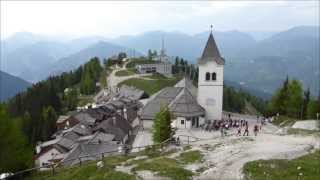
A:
{"points": [[108, 18]]}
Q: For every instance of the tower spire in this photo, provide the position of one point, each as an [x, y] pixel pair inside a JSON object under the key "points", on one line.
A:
{"points": [[211, 28]]}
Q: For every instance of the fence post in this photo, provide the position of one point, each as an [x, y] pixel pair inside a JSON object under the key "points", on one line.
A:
{"points": [[52, 166]]}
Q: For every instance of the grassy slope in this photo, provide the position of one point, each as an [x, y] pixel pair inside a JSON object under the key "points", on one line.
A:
{"points": [[135, 62], [128, 72], [156, 161], [283, 121], [285, 169], [88, 171], [157, 83]]}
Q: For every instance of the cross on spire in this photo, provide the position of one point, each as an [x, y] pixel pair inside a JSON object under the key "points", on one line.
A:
{"points": [[211, 27]]}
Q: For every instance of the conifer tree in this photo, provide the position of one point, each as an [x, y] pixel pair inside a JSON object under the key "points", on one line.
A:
{"points": [[162, 125]]}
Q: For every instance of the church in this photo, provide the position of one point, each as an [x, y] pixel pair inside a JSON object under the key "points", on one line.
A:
{"points": [[190, 106]]}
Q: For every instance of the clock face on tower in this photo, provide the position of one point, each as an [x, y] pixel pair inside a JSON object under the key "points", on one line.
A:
{"points": [[210, 101]]}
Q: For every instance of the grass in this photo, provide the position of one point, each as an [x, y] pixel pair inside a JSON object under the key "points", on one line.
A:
{"points": [[85, 99], [283, 121], [190, 157], [127, 72], [166, 167], [157, 83], [137, 61], [307, 166], [304, 132], [155, 162], [103, 78], [88, 171]]}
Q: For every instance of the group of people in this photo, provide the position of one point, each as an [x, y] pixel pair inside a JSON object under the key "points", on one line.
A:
{"points": [[241, 126]]}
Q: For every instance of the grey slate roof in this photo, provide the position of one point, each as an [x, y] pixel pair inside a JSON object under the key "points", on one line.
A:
{"points": [[85, 118], [101, 137], [116, 125], [71, 135], [164, 98], [66, 143], [185, 105], [211, 52], [90, 151], [81, 129], [131, 92]]}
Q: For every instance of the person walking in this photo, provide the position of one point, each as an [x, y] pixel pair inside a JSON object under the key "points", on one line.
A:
{"points": [[255, 130], [239, 131], [246, 130], [222, 130]]}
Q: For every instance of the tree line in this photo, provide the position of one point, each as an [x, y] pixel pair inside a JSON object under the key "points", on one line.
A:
{"points": [[292, 101], [30, 116]]}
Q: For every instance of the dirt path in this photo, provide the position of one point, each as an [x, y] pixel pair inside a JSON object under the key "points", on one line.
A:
{"points": [[114, 80], [228, 155]]}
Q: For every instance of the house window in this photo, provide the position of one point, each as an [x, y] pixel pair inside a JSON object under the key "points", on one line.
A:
{"points": [[207, 76], [182, 121], [214, 76]]}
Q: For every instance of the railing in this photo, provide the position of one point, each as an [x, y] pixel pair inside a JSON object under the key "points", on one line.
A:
{"points": [[82, 159]]}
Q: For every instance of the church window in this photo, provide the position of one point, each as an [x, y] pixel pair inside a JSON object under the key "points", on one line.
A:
{"points": [[214, 76], [182, 121], [207, 76]]}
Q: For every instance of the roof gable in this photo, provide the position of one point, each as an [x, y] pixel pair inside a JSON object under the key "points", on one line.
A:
{"points": [[211, 52]]}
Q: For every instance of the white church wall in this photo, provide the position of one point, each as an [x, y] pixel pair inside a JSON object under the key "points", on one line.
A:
{"points": [[210, 93], [181, 123]]}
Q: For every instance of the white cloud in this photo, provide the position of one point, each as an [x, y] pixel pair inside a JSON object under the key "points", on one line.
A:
{"points": [[111, 19]]}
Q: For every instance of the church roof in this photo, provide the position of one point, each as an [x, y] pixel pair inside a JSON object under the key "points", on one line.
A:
{"points": [[211, 52], [185, 105]]}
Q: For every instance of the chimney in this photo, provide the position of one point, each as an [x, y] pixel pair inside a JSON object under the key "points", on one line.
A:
{"points": [[114, 120], [38, 147], [125, 113]]}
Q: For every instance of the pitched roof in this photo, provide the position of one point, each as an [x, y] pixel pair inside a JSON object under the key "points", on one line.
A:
{"points": [[85, 118], [62, 118], [164, 98], [185, 105], [116, 125], [66, 143], [71, 135], [89, 152], [131, 92], [211, 52]]}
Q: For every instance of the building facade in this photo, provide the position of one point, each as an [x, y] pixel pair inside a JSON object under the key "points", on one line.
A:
{"points": [[210, 81]]}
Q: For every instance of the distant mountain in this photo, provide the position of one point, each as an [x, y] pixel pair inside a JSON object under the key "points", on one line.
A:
{"points": [[294, 52], [100, 49], [11, 85], [186, 46], [255, 64], [32, 54], [261, 65]]}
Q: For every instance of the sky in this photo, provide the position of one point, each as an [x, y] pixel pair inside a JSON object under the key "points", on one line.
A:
{"points": [[112, 19]]}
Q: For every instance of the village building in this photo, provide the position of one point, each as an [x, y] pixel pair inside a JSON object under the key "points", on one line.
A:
{"points": [[191, 107], [162, 64], [89, 132]]}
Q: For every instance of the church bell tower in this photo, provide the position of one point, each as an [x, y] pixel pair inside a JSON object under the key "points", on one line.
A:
{"points": [[210, 80]]}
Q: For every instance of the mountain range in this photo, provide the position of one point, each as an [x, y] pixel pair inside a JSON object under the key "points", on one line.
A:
{"points": [[260, 64], [11, 85]]}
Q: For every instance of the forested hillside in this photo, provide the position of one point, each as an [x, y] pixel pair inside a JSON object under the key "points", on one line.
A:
{"points": [[11, 85]]}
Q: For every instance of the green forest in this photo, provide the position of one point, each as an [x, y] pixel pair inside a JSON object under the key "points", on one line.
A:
{"points": [[30, 116], [292, 101]]}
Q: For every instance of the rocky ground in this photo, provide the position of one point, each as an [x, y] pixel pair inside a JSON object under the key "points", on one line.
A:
{"points": [[224, 157]]}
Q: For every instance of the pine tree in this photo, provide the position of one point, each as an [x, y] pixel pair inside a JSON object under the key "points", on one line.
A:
{"points": [[15, 154], [306, 100], [162, 125]]}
